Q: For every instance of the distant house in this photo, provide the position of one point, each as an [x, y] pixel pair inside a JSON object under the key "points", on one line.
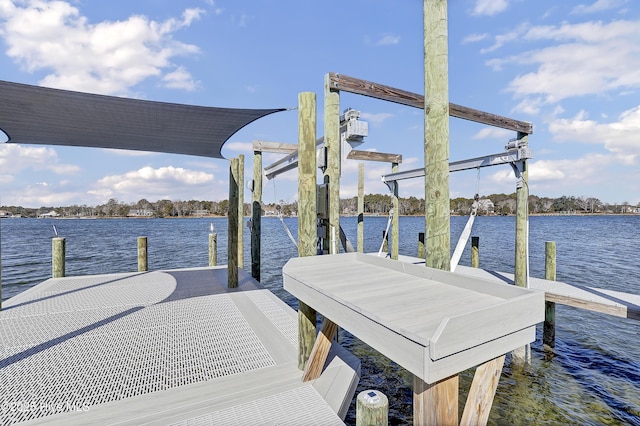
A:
{"points": [[52, 213], [4, 213], [486, 205], [202, 212], [140, 213]]}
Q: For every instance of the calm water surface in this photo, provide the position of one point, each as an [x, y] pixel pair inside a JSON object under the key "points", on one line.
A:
{"points": [[593, 378]]}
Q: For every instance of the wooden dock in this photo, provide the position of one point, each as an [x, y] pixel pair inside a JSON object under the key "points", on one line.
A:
{"points": [[611, 302], [161, 347]]}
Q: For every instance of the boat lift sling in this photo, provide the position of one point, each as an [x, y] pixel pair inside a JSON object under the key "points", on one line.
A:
{"points": [[516, 153]]}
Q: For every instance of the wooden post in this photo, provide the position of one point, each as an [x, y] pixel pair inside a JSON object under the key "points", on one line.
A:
{"points": [[361, 208], [232, 240], [372, 408], [143, 265], [307, 230], [332, 172], [482, 391], [435, 404], [475, 252], [436, 136], [549, 328], [521, 355], [213, 249], [58, 253], [395, 222], [421, 253], [256, 215], [240, 211]]}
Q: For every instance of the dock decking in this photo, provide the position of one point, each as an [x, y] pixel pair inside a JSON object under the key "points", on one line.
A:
{"points": [[161, 347]]}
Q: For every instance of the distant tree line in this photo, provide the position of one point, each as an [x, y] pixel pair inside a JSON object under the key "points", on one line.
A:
{"points": [[375, 204]]}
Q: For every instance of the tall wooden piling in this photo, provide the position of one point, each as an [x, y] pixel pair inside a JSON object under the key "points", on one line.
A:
{"points": [[332, 172], [549, 328], [58, 253], [436, 137], [395, 221], [256, 215], [240, 210], [232, 240], [521, 355], [213, 249], [361, 208], [307, 230], [437, 403], [475, 252], [143, 258]]}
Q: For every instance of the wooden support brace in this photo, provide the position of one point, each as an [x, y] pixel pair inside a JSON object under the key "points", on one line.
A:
{"points": [[320, 350], [435, 404], [482, 392]]}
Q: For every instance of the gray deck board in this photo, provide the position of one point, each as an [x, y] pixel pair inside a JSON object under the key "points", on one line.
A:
{"points": [[158, 348]]}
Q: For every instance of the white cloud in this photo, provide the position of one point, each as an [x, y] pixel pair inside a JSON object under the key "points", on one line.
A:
{"points": [[493, 133], [489, 7], [473, 38], [388, 40], [108, 57], [376, 119], [619, 137], [180, 79], [164, 182], [241, 147], [15, 158], [598, 6], [586, 58]]}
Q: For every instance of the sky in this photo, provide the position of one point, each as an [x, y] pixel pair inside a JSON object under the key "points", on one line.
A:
{"points": [[571, 68]]}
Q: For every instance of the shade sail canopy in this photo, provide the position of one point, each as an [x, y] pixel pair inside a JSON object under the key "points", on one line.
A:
{"points": [[39, 115]]}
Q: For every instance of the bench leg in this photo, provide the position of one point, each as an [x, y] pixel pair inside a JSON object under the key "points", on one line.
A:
{"points": [[320, 350]]}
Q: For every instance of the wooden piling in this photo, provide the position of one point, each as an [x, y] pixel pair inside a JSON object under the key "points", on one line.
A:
{"points": [[361, 208], [435, 404], [143, 265], [332, 171], [436, 135], [549, 328], [482, 392], [421, 253], [320, 350], [372, 408], [213, 249], [232, 240], [307, 230], [395, 221], [58, 253], [240, 211], [521, 356], [475, 252], [256, 215]]}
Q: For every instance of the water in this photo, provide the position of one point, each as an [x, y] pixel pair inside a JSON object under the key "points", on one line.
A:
{"points": [[593, 378]]}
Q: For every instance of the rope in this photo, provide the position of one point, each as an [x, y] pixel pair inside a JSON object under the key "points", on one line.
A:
{"points": [[281, 216]]}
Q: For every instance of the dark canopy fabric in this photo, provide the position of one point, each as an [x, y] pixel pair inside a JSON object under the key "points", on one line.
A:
{"points": [[38, 115]]}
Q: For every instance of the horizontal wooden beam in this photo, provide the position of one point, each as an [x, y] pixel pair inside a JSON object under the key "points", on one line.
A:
{"points": [[374, 156], [367, 88], [276, 147]]}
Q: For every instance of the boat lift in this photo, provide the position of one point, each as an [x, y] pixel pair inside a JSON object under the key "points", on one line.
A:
{"points": [[517, 151]]}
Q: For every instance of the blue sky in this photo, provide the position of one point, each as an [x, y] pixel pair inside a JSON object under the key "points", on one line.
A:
{"points": [[572, 68]]}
